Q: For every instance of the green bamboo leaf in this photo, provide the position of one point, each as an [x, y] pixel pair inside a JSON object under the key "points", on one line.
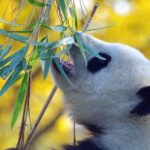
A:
{"points": [[75, 16], [14, 36], [47, 63], [56, 61], [34, 57], [10, 23], [23, 31], [93, 52], [65, 41], [81, 48], [6, 70], [52, 45], [87, 48], [99, 28], [4, 52], [20, 99], [6, 60], [63, 8], [31, 26], [36, 54], [11, 80], [58, 28], [24, 64], [37, 3], [73, 13]]}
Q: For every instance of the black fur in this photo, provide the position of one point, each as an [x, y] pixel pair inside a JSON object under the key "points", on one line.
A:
{"points": [[95, 64], [143, 108], [94, 129], [84, 145], [88, 144]]}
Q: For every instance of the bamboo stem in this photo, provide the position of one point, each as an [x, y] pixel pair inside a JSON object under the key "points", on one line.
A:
{"points": [[90, 18], [31, 135]]}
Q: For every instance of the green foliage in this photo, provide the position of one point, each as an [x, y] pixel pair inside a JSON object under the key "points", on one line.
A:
{"points": [[47, 63], [59, 66], [17, 65], [4, 52], [36, 3], [82, 50], [57, 28], [9, 23], [63, 8], [20, 98], [14, 62], [11, 80], [14, 36]]}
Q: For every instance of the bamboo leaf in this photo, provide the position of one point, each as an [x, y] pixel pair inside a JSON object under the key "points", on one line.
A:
{"points": [[52, 45], [23, 31], [11, 80], [10, 23], [56, 61], [47, 63], [93, 52], [20, 99], [75, 16], [6, 70], [58, 28], [73, 13], [37, 3], [4, 52], [65, 41], [14, 36], [6, 60], [63, 8], [94, 29], [37, 51], [82, 50], [84, 47]]}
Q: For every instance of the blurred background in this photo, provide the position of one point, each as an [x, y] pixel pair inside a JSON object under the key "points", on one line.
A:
{"points": [[126, 21]]}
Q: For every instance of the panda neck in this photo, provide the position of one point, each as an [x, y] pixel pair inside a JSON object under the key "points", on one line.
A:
{"points": [[127, 135]]}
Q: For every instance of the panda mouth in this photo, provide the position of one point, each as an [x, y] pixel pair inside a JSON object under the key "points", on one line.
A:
{"points": [[67, 66]]}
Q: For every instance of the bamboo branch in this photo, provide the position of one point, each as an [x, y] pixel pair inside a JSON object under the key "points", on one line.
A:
{"points": [[31, 135], [90, 18]]}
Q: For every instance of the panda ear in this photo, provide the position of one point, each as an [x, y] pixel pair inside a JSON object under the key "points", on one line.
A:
{"points": [[143, 108]]}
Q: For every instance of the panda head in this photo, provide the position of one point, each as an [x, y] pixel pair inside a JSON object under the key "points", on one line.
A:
{"points": [[114, 87]]}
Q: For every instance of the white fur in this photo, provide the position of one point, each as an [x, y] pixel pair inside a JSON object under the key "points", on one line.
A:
{"points": [[107, 97]]}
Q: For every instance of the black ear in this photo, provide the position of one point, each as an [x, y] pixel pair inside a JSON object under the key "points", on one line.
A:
{"points": [[143, 108]]}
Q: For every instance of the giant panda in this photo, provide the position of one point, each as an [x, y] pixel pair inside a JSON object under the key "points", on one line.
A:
{"points": [[110, 96]]}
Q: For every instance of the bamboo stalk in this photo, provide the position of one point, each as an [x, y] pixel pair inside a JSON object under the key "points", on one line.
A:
{"points": [[31, 135]]}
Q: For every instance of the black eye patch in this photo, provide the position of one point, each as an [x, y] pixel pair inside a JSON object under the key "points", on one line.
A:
{"points": [[95, 64]]}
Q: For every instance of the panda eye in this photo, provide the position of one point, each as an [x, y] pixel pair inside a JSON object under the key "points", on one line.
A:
{"points": [[95, 64]]}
